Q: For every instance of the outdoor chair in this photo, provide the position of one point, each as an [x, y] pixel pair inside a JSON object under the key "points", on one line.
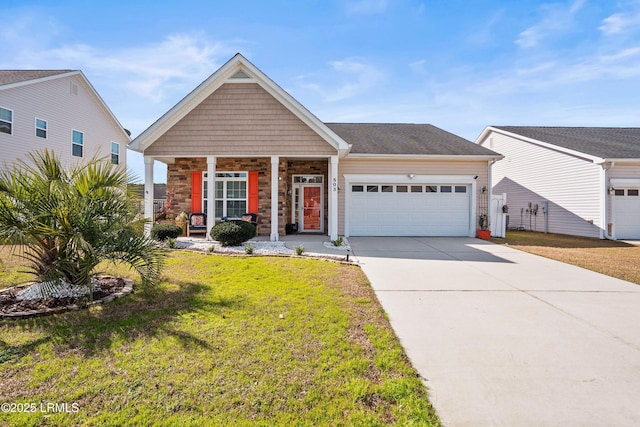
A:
{"points": [[197, 224], [252, 218]]}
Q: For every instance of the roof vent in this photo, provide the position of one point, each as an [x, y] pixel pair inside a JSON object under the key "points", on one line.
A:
{"points": [[241, 74]]}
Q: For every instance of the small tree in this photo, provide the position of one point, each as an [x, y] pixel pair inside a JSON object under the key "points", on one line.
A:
{"points": [[70, 220]]}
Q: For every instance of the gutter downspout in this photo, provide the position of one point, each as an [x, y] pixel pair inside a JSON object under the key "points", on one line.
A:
{"points": [[605, 201]]}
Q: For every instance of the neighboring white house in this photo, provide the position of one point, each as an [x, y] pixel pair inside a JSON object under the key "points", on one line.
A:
{"points": [[582, 181], [59, 110]]}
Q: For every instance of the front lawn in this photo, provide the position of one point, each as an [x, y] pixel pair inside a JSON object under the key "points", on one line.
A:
{"points": [[613, 258], [208, 346]]}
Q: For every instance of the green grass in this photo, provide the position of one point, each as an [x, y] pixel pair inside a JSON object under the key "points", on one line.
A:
{"points": [[208, 347], [613, 258]]}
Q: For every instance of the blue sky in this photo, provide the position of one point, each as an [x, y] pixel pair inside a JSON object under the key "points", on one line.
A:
{"points": [[459, 65]]}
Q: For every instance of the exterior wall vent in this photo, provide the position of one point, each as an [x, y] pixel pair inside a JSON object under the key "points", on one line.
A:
{"points": [[241, 74], [74, 89]]}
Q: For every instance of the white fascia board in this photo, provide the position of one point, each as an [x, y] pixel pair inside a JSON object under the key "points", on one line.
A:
{"points": [[103, 104], [40, 80], [217, 79], [483, 135], [460, 157], [405, 179], [593, 159]]}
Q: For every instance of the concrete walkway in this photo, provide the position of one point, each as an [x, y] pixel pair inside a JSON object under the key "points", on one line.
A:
{"points": [[505, 338]]}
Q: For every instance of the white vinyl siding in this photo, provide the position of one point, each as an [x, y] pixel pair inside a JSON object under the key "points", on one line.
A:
{"points": [[52, 100], [530, 173]]}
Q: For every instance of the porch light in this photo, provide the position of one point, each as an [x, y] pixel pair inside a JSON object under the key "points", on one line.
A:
{"points": [[411, 176]]}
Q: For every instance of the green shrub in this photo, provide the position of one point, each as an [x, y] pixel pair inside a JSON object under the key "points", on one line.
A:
{"points": [[299, 250], [233, 233], [248, 249], [162, 232]]}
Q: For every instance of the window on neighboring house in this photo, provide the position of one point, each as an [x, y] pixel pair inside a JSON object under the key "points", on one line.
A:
{"points": [[115, 153], [6, 121], [41, 128], [77, 141], [231, 194]]}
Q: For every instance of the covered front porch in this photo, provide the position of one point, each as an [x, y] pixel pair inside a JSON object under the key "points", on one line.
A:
{"points": [[289, 194]]}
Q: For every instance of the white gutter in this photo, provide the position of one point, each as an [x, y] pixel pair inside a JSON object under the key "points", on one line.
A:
{"points": [[484, 157]]}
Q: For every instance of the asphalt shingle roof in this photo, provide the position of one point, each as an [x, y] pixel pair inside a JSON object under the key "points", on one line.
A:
{"points": [[398, 139], [16, 76], [604, 142]]}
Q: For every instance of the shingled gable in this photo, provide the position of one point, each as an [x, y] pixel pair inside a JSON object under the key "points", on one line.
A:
{"points": [[237, 70], [602, 143]]}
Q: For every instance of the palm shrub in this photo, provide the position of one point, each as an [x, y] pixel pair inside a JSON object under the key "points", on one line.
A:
{"points": [[68, 221]]}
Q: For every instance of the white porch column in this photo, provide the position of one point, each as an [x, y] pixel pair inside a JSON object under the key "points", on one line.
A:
{"points": [[333, 198], [275, 160], [148, 193], [211, 194]]}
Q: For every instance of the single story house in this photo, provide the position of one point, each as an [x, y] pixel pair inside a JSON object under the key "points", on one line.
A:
{"points": [[582, 181], [239, 143]]}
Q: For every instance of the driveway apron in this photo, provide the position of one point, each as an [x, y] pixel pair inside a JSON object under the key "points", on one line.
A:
{"points": [[505, 338]]}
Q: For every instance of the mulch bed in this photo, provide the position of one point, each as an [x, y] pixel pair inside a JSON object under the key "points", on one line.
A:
{"points": [[110, 288]]}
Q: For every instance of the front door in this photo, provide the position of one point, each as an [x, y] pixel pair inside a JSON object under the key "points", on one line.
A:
{"points": [[311, 208]]}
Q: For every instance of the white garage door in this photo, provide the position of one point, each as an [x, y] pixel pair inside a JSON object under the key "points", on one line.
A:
{"points": [[409, 210], [626, 208]]}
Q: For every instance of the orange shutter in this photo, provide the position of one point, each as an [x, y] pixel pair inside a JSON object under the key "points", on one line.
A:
{"points": [[253, 192], [196, 192]]}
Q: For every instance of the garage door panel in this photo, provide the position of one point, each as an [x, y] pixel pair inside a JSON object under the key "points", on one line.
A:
{"points": [[409, 213], [627, 213]]}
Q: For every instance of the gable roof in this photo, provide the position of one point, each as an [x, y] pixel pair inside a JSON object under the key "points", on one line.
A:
{"points": [[237, 69], [393, 139], [8, 77], [602, 142]]}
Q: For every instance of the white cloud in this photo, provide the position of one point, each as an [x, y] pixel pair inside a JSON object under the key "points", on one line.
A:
{"points": [[346, 79], [366, 7], [622, 22], [419, 67], [153, 71], [557, 19]]}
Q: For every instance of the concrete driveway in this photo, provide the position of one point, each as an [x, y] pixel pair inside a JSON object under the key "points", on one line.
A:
{"points": [[505, 338]]}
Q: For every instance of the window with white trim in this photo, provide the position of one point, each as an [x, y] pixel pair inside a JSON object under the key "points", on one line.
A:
{"points": [[231, 195], [115, 153], [41, 128], [77, 142], [6, 120]]}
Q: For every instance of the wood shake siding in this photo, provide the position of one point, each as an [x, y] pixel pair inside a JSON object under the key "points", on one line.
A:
{"points": [[531, 173], [405, 167], [240, 119]]}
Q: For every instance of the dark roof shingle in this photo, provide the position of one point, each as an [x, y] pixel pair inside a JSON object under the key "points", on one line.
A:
{"points": [[400, 138], [17, 76], [604, 142]]}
